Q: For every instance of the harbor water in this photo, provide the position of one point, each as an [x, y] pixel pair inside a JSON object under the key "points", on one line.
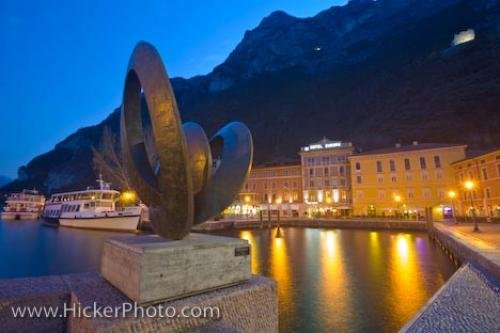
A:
{"points": [[329, 280]]}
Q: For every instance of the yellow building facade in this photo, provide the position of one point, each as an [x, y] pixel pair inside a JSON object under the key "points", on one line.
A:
{"points": [[484, 173], [404, 180], [326, 180]]}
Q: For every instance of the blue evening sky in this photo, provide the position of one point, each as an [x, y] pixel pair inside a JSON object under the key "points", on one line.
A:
{"points": [[62, 62]]}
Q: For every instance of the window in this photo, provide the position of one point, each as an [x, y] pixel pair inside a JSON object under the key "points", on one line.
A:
{"points": [[327, 183], [426, 193], [381, 194], [343, 195], [393, 179], [485, 173], [358, 166], [379, 166], [425, 176], [411, 194], [294, 184], [439, 174], [409, 177], [341, 170], [392, 165], [335, 171], [487, 193], [423, 163], [285, 172], [359, 194], [311, 172], [342, 182], [326, 171], [437, 162], [407, 164], [311, 184], [380, 179], [498, 170], [358, 179], [285, 184]]}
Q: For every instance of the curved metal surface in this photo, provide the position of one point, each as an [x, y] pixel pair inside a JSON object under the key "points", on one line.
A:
{"points": [[236, 153], [169, 194], [186, 190], [200, 158]]}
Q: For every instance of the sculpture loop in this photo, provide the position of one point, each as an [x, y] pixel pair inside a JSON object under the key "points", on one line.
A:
{"points": [[196, 178]]}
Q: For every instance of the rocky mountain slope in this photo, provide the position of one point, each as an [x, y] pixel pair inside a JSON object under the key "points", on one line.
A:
{"points": [[371, 72]]}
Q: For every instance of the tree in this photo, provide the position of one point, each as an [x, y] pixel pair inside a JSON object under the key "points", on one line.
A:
{"points": [[107, 160]]}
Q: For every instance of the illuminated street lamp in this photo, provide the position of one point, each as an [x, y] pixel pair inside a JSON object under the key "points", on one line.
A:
{"points": [[469, 186], [452, 195]]}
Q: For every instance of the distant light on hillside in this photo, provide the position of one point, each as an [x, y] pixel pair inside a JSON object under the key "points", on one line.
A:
{"points": [[317, 48], [463, 37]]}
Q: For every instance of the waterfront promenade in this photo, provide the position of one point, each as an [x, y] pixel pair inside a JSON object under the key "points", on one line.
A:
{"points": [[347, 223], [480, 248], [470, 300]]}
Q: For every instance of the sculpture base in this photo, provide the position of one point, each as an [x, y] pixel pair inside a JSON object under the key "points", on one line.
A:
{"points": [[149, 269]]}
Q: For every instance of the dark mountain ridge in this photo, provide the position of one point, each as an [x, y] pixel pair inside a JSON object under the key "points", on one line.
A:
{"points": [[370, 72]]}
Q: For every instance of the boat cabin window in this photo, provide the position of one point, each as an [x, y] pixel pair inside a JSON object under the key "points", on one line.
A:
{"points": [[107, 196]]}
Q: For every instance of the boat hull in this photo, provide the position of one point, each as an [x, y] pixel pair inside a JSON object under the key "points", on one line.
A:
{"points": [[20, 215], [115, 223]]}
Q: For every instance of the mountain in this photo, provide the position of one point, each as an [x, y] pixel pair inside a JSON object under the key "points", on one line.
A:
{"points": [[370, 72]]}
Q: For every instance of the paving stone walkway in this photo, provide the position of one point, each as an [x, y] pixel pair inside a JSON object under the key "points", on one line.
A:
{"points": [[468, 302]]}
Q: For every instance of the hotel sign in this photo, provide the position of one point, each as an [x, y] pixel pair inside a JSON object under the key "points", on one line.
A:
{"points": [[318, 146]]}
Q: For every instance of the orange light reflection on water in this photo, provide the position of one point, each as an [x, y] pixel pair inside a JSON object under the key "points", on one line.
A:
{"points": [[254, 251], [407, 293], [334, 294]]}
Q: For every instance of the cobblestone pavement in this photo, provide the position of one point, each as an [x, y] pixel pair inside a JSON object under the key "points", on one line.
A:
{"points": [[468, 302]]}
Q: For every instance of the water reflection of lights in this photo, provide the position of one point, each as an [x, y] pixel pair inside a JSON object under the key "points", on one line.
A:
{"points": [[280, 267], [334, 293], [254, 251], [375, 252], [403, 247], [406, 281], [330, 242]]}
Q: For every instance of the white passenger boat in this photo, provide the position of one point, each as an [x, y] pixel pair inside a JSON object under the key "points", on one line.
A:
{"points": [[92, 209], [25, 205]]}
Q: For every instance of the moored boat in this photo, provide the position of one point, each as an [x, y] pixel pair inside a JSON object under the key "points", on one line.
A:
{"points": [[92, 209], [25, 205]]}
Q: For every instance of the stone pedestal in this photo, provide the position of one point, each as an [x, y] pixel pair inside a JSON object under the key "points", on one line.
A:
{"points": [[149, 269]]}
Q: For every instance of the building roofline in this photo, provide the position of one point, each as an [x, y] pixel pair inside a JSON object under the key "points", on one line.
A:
{"points": [[479, 155], [407, 148]]}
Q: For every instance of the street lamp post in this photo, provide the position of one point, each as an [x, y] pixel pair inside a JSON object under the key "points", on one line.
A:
{"points": [[469, 185], [452, 195]]}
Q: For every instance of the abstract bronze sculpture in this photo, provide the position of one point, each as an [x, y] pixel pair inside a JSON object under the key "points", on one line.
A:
{"points": [[188, 188]]}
